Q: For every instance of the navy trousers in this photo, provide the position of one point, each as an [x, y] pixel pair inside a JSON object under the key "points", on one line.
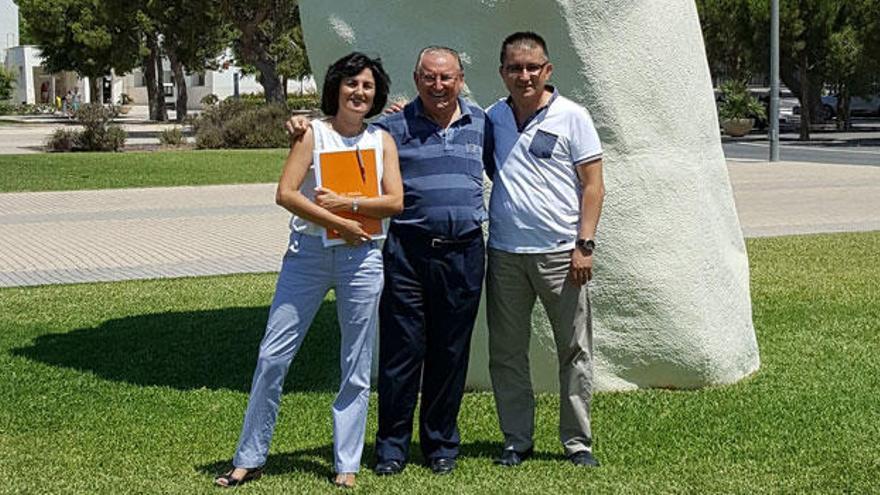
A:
{"points": [[426, 317]]}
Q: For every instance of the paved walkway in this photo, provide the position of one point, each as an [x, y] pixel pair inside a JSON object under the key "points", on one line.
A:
{"points": [[22, 134], [86, 236], [118, 234], [805, 198]]}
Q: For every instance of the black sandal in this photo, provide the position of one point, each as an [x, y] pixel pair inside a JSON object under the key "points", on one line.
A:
{"points": [[227, 481]]}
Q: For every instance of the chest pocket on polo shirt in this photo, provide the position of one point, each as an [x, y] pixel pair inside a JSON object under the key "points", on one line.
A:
{"points": [[543, 144]]}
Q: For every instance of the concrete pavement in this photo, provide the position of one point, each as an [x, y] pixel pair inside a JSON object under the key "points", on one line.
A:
{"points": [[22, 134], [87, 236], [118, 234], [788, 198]]}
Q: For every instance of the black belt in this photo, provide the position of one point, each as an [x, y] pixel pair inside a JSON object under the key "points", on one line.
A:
{"points": [[439, 242]]}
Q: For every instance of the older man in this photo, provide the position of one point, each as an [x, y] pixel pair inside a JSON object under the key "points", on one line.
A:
{"points": [[434, 264], [546, 201]]}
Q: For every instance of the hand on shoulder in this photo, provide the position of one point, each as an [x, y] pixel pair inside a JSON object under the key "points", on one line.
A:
{"points": [[296, 127]]}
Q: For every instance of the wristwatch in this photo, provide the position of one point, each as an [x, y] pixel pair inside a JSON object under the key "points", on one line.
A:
{"points": [[586, 246], [354, 206]]}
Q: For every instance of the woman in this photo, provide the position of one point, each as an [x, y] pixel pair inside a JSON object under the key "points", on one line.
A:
{"points": [[355, 88]]}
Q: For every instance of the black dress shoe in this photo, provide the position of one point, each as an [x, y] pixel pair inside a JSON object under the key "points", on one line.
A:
{"points": [[388, 468], [443, 465], [510, 457], [583, 458]]}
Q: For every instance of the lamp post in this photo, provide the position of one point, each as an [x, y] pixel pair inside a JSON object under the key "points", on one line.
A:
{"points": [[774, 81]]}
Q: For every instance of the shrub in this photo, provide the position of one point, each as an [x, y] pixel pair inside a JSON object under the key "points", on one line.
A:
{"points": [[738, 103], [172, 136], [62, 140], [29, 109], [99, 133], [241, 124], [261, 127], [114, 138], [25, 109], [209, 137], [257, 98], [294, 102], [7, 83], [209, 100], [304, 102]]}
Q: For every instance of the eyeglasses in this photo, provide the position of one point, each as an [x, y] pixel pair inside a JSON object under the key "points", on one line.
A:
{"points": [[428, 78], [531, 69]]}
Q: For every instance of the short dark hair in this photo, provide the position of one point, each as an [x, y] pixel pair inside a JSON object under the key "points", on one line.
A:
{"points": [[349, 66], [439, 49], [523, 38]]}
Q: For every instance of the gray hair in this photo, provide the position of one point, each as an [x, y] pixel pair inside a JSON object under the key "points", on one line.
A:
{"points": [[439, 49]]}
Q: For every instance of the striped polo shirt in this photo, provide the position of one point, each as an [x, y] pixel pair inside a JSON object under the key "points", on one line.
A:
{"points": [[442, 170]]}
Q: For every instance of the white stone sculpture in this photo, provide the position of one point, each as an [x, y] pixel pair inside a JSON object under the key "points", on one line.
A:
{"points": [[670, 296]]}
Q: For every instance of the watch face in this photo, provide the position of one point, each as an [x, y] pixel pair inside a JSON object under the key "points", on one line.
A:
{"points": [[587, 245]]}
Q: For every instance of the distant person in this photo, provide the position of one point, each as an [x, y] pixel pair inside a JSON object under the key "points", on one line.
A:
{"points": [[67, 103], [44, 92], [76, 100], [355, 88]]}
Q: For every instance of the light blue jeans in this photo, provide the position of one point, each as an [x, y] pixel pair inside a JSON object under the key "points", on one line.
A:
{"points": [[309, 270]]}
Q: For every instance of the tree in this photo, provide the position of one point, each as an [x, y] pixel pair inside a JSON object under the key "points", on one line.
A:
{"points": [[190, 46], [806, 42], [83, 36], [24, 32], [728, 33], [846, 75], [268, 39], [153, 72], [804, 47], [7, 83]]}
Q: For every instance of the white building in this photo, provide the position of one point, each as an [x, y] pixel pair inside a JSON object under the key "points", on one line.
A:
{"points": [[220, 82], [34, 85], [8, 27]]}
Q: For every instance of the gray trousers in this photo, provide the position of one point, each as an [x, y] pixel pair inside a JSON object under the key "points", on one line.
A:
{"points": [[513, 283]]}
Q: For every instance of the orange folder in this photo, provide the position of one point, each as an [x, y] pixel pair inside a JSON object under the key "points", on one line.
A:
{"points": [[353, 173]]}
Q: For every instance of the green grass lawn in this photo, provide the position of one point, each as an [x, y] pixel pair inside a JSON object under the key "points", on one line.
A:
{"points": [[140, 387], [73, 171]]}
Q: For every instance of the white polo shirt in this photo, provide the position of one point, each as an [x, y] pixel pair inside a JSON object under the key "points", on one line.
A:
{"points": [[536, 194]]}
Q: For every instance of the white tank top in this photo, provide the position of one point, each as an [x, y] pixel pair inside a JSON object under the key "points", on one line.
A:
{"points": [[328, 139]]}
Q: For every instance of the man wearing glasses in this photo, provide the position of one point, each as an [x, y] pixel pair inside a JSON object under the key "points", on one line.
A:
{"points": [[545, 205], [434, 265], [434, 259]]}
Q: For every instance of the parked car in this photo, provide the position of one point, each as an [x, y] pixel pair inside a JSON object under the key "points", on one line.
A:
{"points": [[867, 106], [827, 112], [788, 116], [789, 108]]}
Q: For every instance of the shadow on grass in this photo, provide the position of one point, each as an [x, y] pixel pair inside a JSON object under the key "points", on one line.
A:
{"points": [[491, 450], [318, 461], [214, 349]]}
